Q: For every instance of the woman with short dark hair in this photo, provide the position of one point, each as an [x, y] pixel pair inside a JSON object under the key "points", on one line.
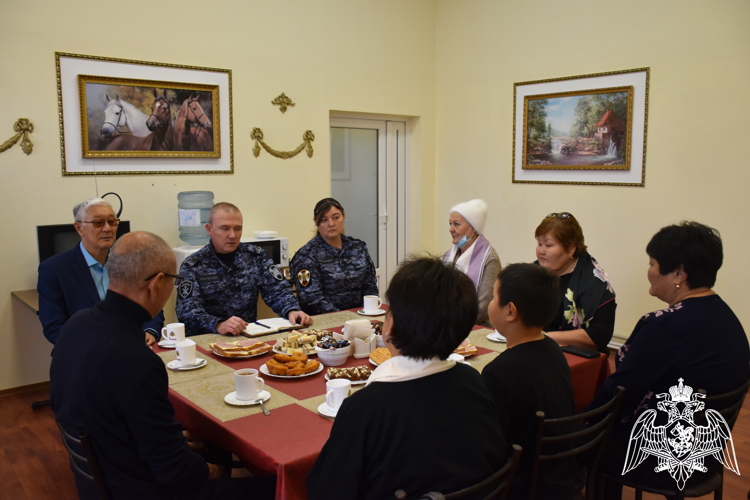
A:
{"points": [[332, 271], [586, 314], [697, 339], [404, 429]]}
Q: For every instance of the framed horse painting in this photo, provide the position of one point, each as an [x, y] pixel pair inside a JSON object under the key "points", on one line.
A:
{"points": [[120, 116], [145, 118]]}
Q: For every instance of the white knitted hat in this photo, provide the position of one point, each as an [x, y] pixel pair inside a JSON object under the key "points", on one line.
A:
{"points": [[474, 211]]}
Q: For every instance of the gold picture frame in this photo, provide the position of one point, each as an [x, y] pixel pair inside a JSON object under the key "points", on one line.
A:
{"points": [[632, 139], [598, 137], [211, 87], [114, 124]]}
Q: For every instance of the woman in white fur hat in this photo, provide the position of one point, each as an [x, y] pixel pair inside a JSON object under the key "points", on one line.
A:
{"points": [[472, 253]]}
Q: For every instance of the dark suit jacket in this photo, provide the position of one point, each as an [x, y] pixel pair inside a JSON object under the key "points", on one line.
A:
{"points": [[65, 287]]}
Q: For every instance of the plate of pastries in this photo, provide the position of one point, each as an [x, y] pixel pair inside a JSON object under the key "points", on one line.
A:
{"points": [[295, 366], [240, 349], [302, 341], [356, 374]]}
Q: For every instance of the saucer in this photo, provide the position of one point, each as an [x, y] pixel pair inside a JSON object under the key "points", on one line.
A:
{"points": [[167, 344], [363, 313], [231, 399], [496, 337], [323, 410], [199, 363]]}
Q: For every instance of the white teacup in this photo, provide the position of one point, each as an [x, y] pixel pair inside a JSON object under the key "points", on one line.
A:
{"points": [[185, 353], [248, 384], [336, 391], [372, 304], [173, 333]]}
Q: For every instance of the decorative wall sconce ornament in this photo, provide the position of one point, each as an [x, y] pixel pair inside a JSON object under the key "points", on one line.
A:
{"points": [[282, 101], [307, 137], [23, 127]]}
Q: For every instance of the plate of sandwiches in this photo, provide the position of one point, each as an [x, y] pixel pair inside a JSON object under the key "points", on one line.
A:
{"points": [[466, 349], [241, 349], [358, 375], [295, 366], [296, 343]]}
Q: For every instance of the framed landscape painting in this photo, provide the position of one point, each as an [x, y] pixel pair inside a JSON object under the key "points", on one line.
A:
{"points": [[127, 117], [591, 130], [588, 129]]}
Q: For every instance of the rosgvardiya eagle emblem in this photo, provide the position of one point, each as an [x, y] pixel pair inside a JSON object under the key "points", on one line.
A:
{"points": [[680, 446]]}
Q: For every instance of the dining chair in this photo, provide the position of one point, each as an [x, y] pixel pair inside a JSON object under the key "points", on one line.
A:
{"points": [[566, 437], [497, 484], [713, 480], [87, 460]]}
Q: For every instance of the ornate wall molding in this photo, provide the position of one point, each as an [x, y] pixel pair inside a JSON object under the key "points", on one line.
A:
{"points": [[282, 101], [23, 127], [307, 137]]}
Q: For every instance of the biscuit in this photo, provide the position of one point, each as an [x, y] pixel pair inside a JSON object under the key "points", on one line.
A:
{"points": [[282, 358], [380, 355]]}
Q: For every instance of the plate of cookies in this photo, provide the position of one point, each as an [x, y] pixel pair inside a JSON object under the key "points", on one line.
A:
{"points": [[295, 366], [358, 375], [380, 356]]}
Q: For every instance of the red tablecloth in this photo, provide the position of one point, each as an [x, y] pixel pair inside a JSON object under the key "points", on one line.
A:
{"points": [[288, 441]]}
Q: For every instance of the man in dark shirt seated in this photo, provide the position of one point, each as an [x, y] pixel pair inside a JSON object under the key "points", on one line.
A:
{"points": [[106, 382], [532, 375]]}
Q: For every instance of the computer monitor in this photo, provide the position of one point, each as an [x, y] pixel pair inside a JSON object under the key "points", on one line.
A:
{"points": [[59, 238]]}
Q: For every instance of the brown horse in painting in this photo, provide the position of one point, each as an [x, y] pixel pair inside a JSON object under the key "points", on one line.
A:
{"points": [[193, 130], [160, 125]]}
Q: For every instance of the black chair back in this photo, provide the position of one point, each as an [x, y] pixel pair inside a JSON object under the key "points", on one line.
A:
{"points": [[496, 485], [731, 412], [89, 460], [583, 438]]}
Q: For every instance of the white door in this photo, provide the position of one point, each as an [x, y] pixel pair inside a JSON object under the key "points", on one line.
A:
{"points": [[368, 178]]}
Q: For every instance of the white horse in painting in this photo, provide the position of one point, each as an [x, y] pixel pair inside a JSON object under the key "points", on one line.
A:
{"points": [[119, 114]]}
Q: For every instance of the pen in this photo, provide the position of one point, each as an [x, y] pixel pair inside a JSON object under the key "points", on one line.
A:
{"points": [[261, 324]]}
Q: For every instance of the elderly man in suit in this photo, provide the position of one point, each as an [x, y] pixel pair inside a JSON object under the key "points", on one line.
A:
{"points": [[78, 279]]}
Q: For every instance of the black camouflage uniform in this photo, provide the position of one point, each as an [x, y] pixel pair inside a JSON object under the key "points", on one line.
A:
{"points": [[213, 292], [329, 279]]}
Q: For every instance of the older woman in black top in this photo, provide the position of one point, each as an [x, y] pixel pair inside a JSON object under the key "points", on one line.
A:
{"points": [[586, 315], [696, 338], [407, 429]]}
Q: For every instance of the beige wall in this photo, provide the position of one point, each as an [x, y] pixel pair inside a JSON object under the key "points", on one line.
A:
{"points": [[697, 164], [368, 57]]}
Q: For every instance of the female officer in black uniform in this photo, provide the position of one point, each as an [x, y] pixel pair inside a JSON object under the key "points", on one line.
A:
{"points": [[333, 271]]}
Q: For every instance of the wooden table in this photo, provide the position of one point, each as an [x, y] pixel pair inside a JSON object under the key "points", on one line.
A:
{"points": [[287, 442]]}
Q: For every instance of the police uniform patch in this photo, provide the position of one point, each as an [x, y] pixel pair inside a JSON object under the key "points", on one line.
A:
{"points": [[185, 288], [276, 272], [304, 277]]}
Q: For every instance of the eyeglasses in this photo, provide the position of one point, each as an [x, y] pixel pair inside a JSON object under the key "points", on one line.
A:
{"points": [[177, 278], [99, 223], [562, 215]]}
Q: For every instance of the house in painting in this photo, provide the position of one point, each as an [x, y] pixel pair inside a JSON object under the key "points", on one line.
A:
{"points": [[610, 127]]}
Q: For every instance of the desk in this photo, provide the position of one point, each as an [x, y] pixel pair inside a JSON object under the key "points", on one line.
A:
{"points": [[287, 442], [29, 298]]}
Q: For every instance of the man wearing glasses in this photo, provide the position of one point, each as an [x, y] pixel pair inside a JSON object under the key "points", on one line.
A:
{"points": [[78, 279]]}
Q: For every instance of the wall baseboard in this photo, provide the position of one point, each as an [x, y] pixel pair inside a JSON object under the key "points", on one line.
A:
{"points": [[25, 388]]}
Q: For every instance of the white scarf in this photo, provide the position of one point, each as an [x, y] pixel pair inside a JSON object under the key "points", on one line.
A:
{"points": [[402, 368], [463, 260]]}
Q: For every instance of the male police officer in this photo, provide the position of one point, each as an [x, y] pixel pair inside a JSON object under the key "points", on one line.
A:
{"points": [[222, 281]]}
